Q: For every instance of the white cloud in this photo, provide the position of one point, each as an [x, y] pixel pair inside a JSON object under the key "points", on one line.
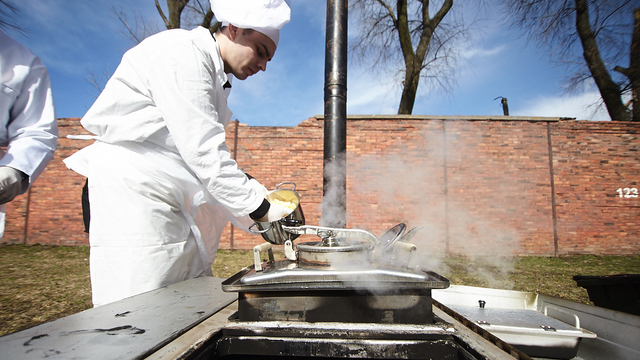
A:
{"points": [[476, 52], [74, 35], [585, 106], [369, 94]]}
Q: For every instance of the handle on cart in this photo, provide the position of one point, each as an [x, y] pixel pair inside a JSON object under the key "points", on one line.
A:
{"points": [[575, 317]]}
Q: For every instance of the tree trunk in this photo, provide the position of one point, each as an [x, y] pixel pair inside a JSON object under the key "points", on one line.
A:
{"points": [[609, 90], [634, 66], [175, 10], [410, 88], [206, 22], [413, 59]]}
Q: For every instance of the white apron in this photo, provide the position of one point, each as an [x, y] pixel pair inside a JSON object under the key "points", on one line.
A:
{"points": [[152, 222]]}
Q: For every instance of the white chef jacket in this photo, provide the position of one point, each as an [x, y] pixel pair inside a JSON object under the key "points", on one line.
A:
{"points": [[170, 90], [28, 126], [161, 159]]}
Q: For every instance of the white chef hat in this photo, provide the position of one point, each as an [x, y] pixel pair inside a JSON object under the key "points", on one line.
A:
{"points": [[265, 16]]}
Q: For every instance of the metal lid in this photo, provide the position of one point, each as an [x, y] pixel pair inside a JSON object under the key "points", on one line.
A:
{"points": [[286, 275]]}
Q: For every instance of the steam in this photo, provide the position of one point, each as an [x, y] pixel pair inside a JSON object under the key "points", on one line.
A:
{"points": [[395, 186], [333, 202]]}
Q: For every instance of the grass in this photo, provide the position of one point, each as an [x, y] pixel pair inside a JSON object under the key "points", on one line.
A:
{"points": [[43, 283], [547, 275]]}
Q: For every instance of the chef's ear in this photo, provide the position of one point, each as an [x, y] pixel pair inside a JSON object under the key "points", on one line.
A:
{"points": [[233, 31]]}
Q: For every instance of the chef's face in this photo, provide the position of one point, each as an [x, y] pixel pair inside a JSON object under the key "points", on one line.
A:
{"points": [[249, 53]]}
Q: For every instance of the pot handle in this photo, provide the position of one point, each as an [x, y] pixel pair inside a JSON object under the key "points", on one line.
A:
{"points": [[258, 232], [325, 231], [287, 182]]}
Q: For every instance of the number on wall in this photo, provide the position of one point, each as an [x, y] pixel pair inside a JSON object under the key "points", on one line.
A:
{"points": [[628, 192]]}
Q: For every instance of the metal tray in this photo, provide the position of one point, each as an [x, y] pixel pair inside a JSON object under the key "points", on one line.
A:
{"points": [[513, 317]]}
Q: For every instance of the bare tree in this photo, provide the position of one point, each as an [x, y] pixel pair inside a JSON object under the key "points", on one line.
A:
{"points": [[417, 31], [633, 71], [594, 38], [134, 26], [176, 8], [178, 14]]}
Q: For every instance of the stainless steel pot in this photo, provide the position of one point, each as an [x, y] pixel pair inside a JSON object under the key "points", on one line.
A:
{"points": [[273, 231]]}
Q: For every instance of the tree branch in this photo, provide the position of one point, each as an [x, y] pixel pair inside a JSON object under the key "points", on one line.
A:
{"points": [[624, 71], [164, 18], [389, 10]]}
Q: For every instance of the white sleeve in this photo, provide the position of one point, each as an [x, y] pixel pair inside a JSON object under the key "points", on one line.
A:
{"points": [[32, 129]]}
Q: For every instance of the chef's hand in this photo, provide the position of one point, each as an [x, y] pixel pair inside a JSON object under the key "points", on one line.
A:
{"points": [[262, 191], [275, 213], [10, 184]]}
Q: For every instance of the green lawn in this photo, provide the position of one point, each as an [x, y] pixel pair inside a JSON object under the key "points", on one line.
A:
{"points": [[43, 283]]}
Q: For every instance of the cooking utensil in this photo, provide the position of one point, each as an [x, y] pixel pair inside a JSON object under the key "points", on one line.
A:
{"points": [[272, 231]]}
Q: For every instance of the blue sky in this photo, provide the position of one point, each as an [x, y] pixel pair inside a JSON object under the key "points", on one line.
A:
{"points": [[77, 37]]}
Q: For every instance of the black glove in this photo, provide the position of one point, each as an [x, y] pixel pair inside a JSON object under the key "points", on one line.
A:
{"points": [[10, 183]]}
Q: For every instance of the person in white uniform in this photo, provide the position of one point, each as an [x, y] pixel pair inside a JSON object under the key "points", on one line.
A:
{"points": [[162, 183], [28, 126]]}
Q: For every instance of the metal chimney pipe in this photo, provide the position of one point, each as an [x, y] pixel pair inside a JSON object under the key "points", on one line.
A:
{"points": [[334, 210]]}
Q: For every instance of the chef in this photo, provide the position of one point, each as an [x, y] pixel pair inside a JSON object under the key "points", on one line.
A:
{"points": [[162, 183], [28, 127]]}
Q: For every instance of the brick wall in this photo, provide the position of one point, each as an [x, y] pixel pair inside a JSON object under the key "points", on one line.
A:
{"points": [[504, 185], [591, 161]]}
